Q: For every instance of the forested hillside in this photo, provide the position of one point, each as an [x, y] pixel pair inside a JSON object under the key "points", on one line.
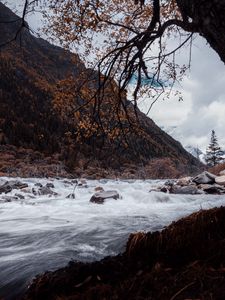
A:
{"points": [[46, 104]]}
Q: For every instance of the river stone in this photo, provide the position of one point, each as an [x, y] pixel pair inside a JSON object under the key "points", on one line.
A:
{"points": [[9, 198], [100, 197], [20, 196], [222, 173], [99, 189], [5, 188], [17, 184], [50, 185], [186, 190], [204, 177], [44, 191], [215, 189], [170, 182], [164, 189], [8, 186], [184, 181], [82, 182], [220, 180]]}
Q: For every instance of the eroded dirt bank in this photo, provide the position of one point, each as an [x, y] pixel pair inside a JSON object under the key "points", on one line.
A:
{"points": [[184, 261]]}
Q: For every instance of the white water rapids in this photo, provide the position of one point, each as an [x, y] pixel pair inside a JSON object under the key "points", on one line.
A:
{"points": [[41, 233]]}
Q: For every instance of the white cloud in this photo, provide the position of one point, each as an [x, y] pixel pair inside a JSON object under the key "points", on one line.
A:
{"points": [[203, 108]]}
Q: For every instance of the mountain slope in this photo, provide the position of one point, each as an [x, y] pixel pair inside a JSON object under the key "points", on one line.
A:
{"points": [[38, 99]]}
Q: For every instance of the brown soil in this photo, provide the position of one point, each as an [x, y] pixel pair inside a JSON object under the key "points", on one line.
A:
{"points": [[184, 261]]}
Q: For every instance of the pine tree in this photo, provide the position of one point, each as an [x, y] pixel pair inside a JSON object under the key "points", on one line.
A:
{"points": [[213, 151]]}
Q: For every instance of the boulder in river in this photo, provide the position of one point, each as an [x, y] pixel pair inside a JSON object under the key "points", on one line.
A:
{"points": [[164, 189], [8, 198], [82, 183], [5, 188], [222, 173], [184, 181], [44, 191], [186, 190], [220, 180], [204, 177], [215, 189], [100, 197], [8, 186], [50, 185], [99, 189], [20, 196]]}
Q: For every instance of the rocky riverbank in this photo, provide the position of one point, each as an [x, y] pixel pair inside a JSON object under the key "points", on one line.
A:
{"points": [[204, 183], [184, 261]]}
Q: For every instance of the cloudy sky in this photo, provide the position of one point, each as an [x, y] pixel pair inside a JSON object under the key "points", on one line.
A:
{"points": [[203, 90]]}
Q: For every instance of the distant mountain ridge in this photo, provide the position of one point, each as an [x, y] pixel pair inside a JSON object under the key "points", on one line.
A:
{"points": [[30, 70]]}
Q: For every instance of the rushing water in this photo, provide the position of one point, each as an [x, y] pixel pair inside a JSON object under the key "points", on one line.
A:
{"points": [[45, 233]]}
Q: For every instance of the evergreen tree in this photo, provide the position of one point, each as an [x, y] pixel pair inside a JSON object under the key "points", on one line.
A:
{"points": [[213, 151]]}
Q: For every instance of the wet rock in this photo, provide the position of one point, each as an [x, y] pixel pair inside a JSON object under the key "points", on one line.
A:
{"points": [[184, 181], [71, 196], [5, 188], [204, 186], [222, 173], [19, 196], [18, 185], [99, 189], [38, 184], [220, 180], [170, 182], [164, 189], [100, 197], [215, 189], [27, 190], [186, 190], [50, 185], [67, 182], [44, 191], [82, 183], [8, 186], [74, 181], [204, 177], [103, 180], [8, 198]]}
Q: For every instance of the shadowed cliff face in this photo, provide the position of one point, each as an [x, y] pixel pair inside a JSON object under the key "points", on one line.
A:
{"points": [[30, 71]]}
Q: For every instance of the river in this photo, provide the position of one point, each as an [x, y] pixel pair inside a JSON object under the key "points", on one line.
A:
{"points": [[40, 233]]}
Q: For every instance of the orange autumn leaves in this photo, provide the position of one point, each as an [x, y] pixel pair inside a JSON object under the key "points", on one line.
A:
{"points": [[92, 115]]}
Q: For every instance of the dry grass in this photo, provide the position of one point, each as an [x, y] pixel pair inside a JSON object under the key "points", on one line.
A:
{"points": [[184, 261]]}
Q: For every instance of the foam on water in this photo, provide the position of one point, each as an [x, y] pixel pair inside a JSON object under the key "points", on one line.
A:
{"points": [[44, 233]]}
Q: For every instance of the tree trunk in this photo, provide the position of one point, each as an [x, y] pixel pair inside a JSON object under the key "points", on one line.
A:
{"points": [[209, 17]]}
